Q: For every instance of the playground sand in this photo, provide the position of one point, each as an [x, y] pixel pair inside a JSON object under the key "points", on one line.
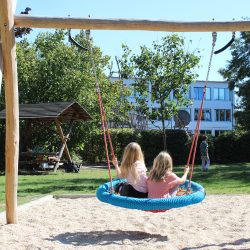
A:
{"points": [[219, 222]]}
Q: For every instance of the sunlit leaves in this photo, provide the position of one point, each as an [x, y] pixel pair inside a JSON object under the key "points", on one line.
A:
{"points": [[162, 74], [237, 73], [50, 70]]}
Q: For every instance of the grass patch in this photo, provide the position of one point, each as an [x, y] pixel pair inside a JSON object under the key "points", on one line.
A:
{"points": [[221, 179]]}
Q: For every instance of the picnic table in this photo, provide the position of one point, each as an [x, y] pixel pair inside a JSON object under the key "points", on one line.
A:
{"points": [[41, 160]]}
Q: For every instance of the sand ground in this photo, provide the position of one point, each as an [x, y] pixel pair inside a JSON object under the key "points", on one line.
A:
{"points": [[219, 222]]}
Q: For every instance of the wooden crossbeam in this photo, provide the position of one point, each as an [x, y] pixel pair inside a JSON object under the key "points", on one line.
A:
{"points": [[128, 24]]}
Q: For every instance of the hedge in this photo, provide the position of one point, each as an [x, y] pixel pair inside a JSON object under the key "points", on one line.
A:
{"points": [[227, 148], [151, 142]]}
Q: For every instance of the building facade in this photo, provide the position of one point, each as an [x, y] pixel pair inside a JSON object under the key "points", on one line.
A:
{"points": [[218, 109]]}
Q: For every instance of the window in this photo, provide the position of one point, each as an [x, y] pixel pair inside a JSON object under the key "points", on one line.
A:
{"points": [[223, 115], [206, 114], [206, 132], [221, 94], [219, 132], [198, 93]]}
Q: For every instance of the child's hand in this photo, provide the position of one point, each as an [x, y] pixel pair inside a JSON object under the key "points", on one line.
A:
{"points": [[115, 162], [186, 169]]}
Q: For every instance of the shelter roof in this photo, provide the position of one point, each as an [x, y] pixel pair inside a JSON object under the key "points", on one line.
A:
{"points": [[50, 111]]}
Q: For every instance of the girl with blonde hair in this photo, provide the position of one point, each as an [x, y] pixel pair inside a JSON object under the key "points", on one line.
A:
{"points": [[134, 170], [162, 182]]}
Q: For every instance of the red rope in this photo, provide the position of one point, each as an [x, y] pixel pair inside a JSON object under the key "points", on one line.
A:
{"points": [[108, 133], [192, 152], [105, 129]]}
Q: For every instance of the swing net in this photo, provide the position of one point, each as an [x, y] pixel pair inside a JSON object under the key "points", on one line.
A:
{"points": [[194, 192]]}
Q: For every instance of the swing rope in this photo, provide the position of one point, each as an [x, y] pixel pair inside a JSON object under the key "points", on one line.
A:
{"points": [[105, 128], [192, 152]]}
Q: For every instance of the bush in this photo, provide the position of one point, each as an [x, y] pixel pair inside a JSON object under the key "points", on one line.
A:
{"points": [[232, 147], [151, 142], [226, 148]]}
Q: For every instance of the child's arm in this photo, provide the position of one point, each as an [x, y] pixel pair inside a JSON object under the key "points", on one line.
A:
{"points": [[117, 168], [184, 177]]}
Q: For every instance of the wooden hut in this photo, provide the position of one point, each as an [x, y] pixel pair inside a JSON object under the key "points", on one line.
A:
{"points": [[44, 114]]}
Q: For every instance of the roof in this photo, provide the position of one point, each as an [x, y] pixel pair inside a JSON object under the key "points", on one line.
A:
{"points": [[63, 111]]}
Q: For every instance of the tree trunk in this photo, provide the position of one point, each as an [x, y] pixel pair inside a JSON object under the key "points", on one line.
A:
{"points": [[163, 132], [164, 137]]}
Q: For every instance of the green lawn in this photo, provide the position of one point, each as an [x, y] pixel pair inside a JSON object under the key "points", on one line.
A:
{"points": [[221, 179]]}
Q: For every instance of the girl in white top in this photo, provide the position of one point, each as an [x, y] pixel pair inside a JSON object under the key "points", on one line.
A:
{"points": [[134, 170]]}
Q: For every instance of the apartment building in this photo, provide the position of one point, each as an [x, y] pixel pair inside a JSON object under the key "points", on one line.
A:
{"points": [[218, 110]]}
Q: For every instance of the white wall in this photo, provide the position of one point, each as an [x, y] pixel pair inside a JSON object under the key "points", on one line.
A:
{"points": [[211, 104]]}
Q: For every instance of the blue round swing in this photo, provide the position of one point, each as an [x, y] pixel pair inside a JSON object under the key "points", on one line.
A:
{"points": [[151, 204], [197, 193]]}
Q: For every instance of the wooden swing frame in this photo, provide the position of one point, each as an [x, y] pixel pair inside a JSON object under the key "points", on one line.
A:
{"points": [[8, 21]]}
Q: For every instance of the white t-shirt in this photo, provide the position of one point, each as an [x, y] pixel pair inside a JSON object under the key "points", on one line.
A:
{"points": [[141, 184]]}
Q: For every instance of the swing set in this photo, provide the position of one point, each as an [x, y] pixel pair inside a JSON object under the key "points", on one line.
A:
{"points": [[191, 193], [8, 21]]}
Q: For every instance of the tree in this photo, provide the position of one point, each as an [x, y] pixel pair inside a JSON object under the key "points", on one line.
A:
{"points": [[237, 73], [50, 70], [162, 75]]}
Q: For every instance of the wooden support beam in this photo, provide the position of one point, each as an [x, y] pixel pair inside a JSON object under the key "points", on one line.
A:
{"points": [[128, 24], [64, 142], [60, 132], [12, 108]]}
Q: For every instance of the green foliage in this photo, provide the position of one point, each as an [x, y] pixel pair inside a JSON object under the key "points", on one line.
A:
{"points": [[51, 70], [94, 150], [150, 141], [232, 147], [237, 73], [177, 144], [160, 71], [226, 148]]}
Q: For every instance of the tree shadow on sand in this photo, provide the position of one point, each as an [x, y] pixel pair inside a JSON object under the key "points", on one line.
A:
{"points": [[108, 237], [222, 246]]}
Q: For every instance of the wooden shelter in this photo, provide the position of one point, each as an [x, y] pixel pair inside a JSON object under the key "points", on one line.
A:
{"points": [[8, 21], [46, 113]]}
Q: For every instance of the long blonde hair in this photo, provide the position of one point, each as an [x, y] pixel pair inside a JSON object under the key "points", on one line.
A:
{"points": [[132, 153], [163, 165]]}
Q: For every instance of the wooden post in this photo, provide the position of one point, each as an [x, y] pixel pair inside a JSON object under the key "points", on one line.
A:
{"points": [[12, 108], [65, 139], [60, 132]]}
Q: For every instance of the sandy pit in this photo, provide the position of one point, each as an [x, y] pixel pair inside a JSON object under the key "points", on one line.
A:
{"points": [[219, 222]]}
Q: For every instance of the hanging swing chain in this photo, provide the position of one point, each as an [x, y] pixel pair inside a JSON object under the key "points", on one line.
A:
{"points": [[193, 148], [105, 128]]}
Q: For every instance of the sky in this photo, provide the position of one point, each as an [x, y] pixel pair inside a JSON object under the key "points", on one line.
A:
{"points": [[178, 10]]}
